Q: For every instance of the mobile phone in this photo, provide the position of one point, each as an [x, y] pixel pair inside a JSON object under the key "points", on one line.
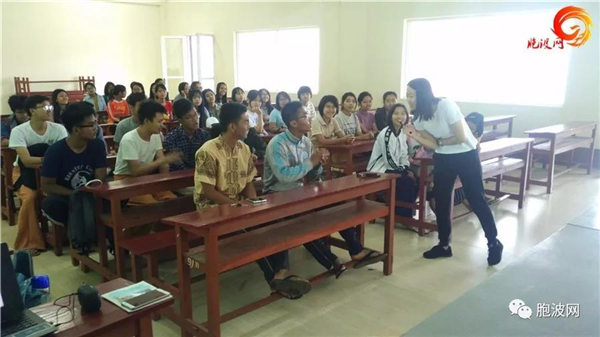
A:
{"points": [[257, 201], [144, 298], [368, 175]]}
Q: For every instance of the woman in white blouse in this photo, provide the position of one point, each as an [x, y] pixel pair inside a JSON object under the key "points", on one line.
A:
{"points": [[254, 112], [390, 155], [440, 126]]}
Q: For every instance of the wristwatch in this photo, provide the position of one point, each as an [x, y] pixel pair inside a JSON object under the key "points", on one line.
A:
{"points": [[438, 141]]}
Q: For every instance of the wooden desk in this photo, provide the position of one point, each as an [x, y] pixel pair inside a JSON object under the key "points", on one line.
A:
{"points": [[347, 152], [109, 321], [489, 150], [213, 223], [562, 138], [9, 209], [118, 190], [494, 122]]}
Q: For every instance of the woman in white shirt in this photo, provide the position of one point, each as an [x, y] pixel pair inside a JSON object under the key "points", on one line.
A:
{"points": [[439, 125], [390, 155], [304, 96]]}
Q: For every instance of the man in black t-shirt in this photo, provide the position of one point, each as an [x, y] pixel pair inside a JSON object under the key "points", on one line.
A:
{"points": [[72, 162]]}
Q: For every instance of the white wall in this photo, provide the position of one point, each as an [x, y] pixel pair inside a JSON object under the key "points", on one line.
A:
{"points": [[361, 47], [116, 42]]}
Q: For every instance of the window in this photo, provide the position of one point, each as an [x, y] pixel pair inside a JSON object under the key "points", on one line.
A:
{"points": [[188, 58], [485, 59], [279, 60]]}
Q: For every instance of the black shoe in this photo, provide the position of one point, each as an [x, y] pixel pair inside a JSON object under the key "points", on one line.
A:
{"points": [[438, 251], [495, 253]]}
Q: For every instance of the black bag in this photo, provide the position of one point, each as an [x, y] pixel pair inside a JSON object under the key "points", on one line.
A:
{"points": [[81, 221], [256, 144]]}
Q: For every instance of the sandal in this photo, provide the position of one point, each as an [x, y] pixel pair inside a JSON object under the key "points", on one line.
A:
{"points": [[338, 270], [292, 287], [372, 256]]}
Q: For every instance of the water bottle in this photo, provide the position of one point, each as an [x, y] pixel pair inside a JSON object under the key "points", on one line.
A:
{"points": [[41, 283]]}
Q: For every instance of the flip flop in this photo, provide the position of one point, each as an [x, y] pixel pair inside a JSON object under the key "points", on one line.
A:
{"points": [[338, 270], [292, 287], [371, 257]]}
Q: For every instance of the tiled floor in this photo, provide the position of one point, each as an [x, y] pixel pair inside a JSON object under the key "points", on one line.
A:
{"points": [[364, 302]]}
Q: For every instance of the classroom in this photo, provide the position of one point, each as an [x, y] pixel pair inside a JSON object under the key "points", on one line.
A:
{"points": [[392, 168]]}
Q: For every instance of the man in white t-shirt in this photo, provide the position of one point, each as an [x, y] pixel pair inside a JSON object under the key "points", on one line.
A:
{"points": [[39, 130], [141, 151]]}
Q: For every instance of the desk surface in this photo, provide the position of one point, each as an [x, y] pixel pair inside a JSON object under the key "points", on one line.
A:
{"points": [[224, 213], [109, 314], [559, 128], [141, 185], [497, 119]]}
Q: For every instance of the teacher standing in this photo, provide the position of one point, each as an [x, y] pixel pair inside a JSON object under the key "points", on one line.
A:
{"points": [[440, 126]]}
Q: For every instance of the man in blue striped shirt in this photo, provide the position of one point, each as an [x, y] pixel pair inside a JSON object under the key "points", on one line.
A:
{"points": [[288, 160]]}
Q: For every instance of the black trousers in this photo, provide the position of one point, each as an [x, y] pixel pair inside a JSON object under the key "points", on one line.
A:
{"points": [[467, 167]]}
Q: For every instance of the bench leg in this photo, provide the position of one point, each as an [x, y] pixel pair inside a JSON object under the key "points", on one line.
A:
{"points": [[136, 267], [58, 237], [388, 245], [183, 273], [550, 172], [591, 158]]}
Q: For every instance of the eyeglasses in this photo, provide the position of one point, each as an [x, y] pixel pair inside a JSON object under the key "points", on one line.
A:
{"points": [[46, 107], [91, 125]]}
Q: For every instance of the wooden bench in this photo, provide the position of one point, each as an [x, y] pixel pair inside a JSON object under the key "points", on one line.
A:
{"points": [[9, 209], [108, 129], [491, 130], [494, 164], [559, 139], [119, 218], [110, 144], [351, 161], [344, 196]]}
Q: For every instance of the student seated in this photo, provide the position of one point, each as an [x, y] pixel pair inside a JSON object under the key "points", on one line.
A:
{"points": [[196, 85], [324, 127], [130, 123], [365, 117], [265, 106], [161, 97], [117, 107], [289, 159], [304, 96], [203, 114], [141, 152], [208, 96], [238, 95], [184, 89], [381, 114], [187, 138], [38, 130], [137, 88], [391, 155], [255, 114], [221, 94], [109, 87], [347, 119], [276, 123], [72, 162], [60, 100], [17, 106], [224, 174], [93, 98]]}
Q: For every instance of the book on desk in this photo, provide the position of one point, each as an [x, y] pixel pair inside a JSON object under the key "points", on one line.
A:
{"points": [[137, 296]]}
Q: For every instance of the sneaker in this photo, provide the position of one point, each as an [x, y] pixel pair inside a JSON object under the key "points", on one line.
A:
{"points": [[495, 253], [438, 251]]}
